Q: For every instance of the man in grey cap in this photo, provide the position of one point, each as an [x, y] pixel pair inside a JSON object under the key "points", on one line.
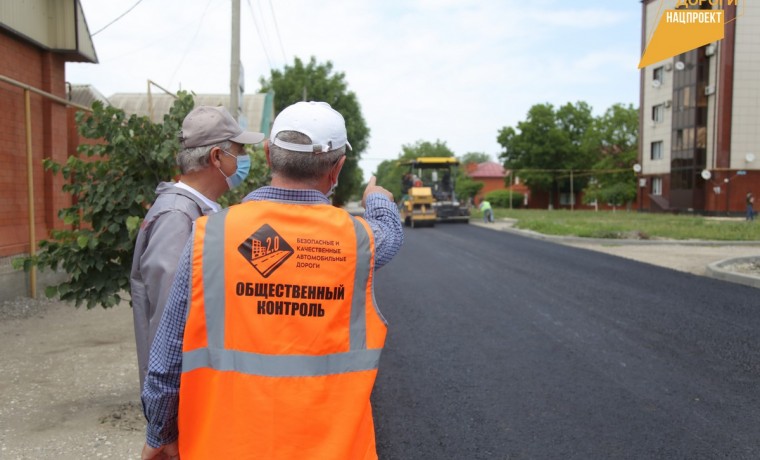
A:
{"points": [[212, 160], [271, 339]]}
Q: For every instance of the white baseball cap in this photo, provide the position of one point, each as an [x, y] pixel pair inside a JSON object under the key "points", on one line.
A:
{"points": [[321, 123]]}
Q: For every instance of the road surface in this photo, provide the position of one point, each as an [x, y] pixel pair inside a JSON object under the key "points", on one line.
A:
{"points": [[502, 347], [499, 347]]}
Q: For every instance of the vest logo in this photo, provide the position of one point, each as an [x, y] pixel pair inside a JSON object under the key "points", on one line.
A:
{"points": [[265, 250]]}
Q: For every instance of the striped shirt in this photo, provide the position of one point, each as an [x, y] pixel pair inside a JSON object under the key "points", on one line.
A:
{"points": [[160, 395]]}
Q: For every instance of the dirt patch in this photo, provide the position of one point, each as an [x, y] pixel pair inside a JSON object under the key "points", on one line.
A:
{"points": [[746, 268], [69, 386], [126, 417]]}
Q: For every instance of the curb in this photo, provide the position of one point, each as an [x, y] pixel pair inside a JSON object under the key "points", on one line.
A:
{"points": [[715, 270], [507, 227]]}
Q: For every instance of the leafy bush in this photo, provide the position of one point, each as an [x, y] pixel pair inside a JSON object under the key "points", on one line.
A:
{"points": [[500, 198], [113, 183], [467, 188]]}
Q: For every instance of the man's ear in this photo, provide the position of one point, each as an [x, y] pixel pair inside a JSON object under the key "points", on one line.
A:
{"points": [[335, 171], [266, 153], [213, 157]]}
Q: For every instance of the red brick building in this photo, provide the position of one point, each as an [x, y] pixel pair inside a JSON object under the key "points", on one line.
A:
{"points": [[699, 117], [495, 177], [34, 51]]}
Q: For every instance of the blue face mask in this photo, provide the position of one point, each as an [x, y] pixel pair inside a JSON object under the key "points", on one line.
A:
{"points": [[243, 167]]}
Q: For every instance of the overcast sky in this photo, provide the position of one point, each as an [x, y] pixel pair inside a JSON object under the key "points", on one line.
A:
{"points": [[455, 71]]}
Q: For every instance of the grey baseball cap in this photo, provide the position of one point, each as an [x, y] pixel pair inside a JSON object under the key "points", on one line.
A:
{"points": [[206, 125]]}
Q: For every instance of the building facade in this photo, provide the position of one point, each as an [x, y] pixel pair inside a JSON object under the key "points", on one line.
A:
{"points": [[699, 118], [495, 177], [37, 38]]}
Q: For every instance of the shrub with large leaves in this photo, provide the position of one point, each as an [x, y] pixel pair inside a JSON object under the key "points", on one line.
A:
{"points": [[113, 183]]}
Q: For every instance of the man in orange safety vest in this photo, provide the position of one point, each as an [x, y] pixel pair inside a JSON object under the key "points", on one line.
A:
{"points": [[271, 338]]}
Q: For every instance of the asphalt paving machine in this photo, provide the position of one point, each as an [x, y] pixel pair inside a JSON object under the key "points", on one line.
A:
{"points": [[428, 192]]}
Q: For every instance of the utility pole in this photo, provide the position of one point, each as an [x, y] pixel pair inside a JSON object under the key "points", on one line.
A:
{"points": [[235, 102], [572, 192]]}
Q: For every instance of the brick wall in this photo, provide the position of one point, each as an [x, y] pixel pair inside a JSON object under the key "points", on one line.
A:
{"points": [[490, 184], [44, 70]]}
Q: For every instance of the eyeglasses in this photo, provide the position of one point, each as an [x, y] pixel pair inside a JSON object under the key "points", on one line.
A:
{"points": [[242, 152]]}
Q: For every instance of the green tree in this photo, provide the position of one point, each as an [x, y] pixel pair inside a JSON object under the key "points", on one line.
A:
{"points": [[388, 175], [425, 149], [113, 182], [615, 136], [318, 82], [474, 157], [467, 188], [548, 144]]}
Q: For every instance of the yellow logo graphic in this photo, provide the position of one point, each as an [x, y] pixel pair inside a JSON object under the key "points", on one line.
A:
{"points": [[682, 30]]}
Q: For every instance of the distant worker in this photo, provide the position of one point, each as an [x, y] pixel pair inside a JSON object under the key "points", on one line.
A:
{"points": [[446, 182], [444, 193], [406, 183], [212, 161], [485, 206], [750, 206]]}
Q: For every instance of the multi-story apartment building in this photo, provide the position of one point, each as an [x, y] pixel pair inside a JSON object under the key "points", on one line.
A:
{"points": [[699, 148]]}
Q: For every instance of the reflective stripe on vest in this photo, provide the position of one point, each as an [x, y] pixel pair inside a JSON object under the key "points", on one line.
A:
{"points": [[215, 356]]}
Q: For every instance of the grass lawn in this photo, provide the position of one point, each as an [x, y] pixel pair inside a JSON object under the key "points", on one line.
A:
{"points": [[630, 224]]}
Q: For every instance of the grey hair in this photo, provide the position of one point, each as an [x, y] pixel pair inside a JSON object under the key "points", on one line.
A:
{"points": [[197, 158], [301, 166]]}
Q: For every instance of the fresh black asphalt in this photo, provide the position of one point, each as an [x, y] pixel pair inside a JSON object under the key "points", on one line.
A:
{"points": [[507, 347]]}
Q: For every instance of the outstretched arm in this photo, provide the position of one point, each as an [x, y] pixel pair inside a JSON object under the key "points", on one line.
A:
{"points": [[381, 213]]}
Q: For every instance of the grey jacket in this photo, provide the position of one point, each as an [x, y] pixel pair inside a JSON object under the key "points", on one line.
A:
{"points": [[160, 242]]}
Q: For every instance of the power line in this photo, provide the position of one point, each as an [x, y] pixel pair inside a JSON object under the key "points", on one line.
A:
{"points": [[277, 29], [265, 29], [119, 17], [258, 32], [189, 43], [570, 169]]}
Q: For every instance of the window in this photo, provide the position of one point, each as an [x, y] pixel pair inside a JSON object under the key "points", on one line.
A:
{"points": [[688, 138], [656, 153], [566, 199], [701, 137], [683, 139], [657, 75], [688, 97], [679, 144], [658, 113], [657, 186]]}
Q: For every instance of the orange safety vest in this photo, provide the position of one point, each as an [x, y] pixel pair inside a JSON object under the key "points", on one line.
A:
{"points": [[283, 338]]}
